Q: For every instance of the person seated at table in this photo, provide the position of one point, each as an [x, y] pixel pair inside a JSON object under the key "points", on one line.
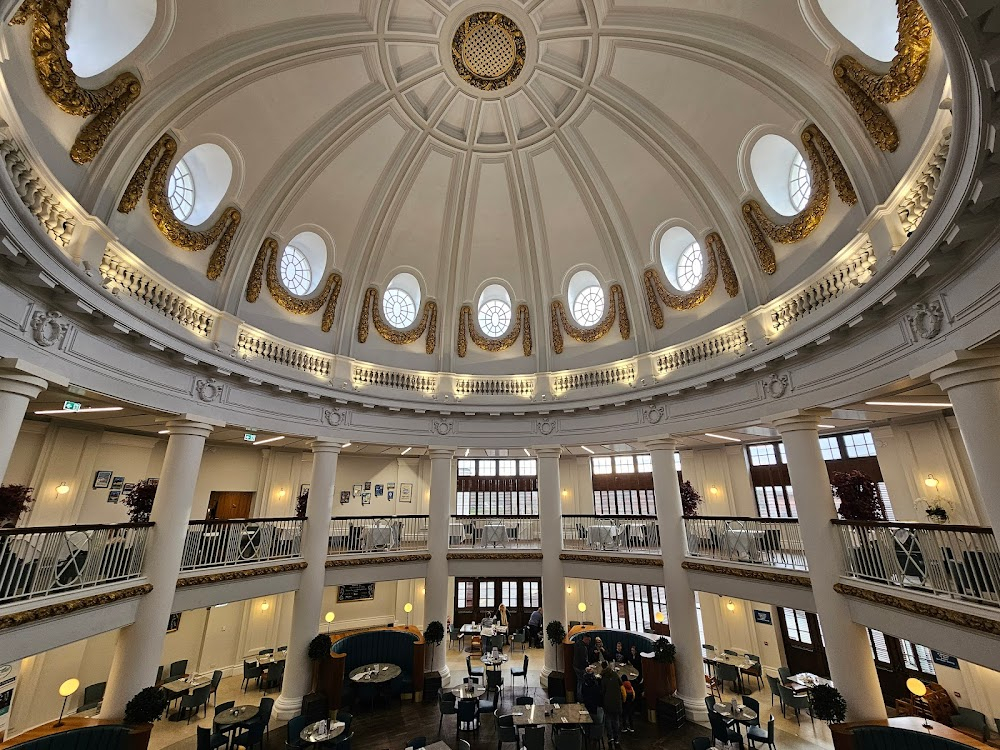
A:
{"points": [[635, 659], [590, 691], [535, 628], [629, 700], [598, 653], [620, 656], [581, 657]]}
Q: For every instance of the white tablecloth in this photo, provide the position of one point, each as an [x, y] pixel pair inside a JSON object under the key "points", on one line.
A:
{"points": [[601, 535], [379, 537], [743, 543], [456, 533], [494, 534]]}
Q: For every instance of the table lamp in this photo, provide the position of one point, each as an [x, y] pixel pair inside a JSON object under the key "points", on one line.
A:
{"points": [[407, 608], [329, 619], [582, 606], [919, 690], [66, 690]]}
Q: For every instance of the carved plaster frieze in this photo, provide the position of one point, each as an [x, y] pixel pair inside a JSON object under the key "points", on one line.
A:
{"points": [[777, 384], [926, 320], [988, 625], [239, 575], [49, 611], [443, 426], [546, 427], [752, 573], [355, 562], [494, 555], [467, 329], [265, 266], [560, 321], [337, 417], [653, 413], [49, 328], [649, 562], [372, 306], [208, 390]]}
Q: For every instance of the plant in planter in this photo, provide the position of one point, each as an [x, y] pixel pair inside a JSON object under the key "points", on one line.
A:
{"points": [[434, 635], [556, 634], [140, 502], [690, 499], [319, 647], [146, 706], [301, 503], [664, 651], [828, 704], [936, 508], [14, 500], [859, 496]]}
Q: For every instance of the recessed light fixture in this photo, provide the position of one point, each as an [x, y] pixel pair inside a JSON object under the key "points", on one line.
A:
{"points": [[270, 440], [930, 404], [346, 445], [722, 437], [526, 451], [163, 432], [466, 452], [826, 426], [587, 449], [406, 451], [81, 411]]}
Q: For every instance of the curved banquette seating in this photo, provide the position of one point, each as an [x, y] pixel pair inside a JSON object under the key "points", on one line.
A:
{"points": [[86, 738], [609, 637], [891, 738], [400, 646]]}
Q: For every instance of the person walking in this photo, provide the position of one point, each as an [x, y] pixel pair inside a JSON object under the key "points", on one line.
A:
{"points": [[611, 688], [628, 706]]}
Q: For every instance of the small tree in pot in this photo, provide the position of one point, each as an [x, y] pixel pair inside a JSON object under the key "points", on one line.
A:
{"points": [[14, 500], [859, 496], [828, 704], [301, 503], [146, 706], [690, 499], [140, 501], [664, 651], [319, 647], [434, 635]]}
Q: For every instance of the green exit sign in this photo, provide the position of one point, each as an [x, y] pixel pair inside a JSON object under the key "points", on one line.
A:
{"points": [[249, 437], [72, 405]]}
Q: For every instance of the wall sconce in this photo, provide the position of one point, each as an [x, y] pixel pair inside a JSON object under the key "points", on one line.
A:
{"points": [[731, 606], [66, 690], [62, 489], [931, 481], [569, 589], [264, 606], [582, 606], [565, 493], [329, 620], [713, 490], [281, 493], [659, 617]]}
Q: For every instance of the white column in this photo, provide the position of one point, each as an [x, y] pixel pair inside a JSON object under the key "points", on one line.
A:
{"points": [[436, 583], [308, 602], [553, 581], [140, 645], [20, 382], [973, 386], [682, 614], [850, 656]]}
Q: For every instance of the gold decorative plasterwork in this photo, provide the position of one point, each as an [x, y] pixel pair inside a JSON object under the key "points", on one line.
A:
{"points": [[354, 562], [494, 556], [158, 160], [16, 619], [656, 290], [522, 320], [488, 51], [988, 625], [267, 258], [57, 79], [651, 562], [428, 322], [751, 573], [239, 575], [866, 89], [560, 321], [823, 164]]}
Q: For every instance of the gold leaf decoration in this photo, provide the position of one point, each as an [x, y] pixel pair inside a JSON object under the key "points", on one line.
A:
{"points": [[158, 160], [560, 321], [823, 164], [716, 255], [522, 320], [57, 79], [866, 89], [428, 322], [267, 259]]}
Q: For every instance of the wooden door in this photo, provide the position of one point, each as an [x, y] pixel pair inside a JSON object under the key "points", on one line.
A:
{"points": [[474, 597], [804, 648], [225, 505]]}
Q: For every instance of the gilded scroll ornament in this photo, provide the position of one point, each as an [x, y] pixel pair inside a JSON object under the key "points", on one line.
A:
{"points": [[57, 79], [560, 321], [823, 164], [428, 323], [717, 256], [467, 329], [158, 161], [267, 260], [866, 89]]}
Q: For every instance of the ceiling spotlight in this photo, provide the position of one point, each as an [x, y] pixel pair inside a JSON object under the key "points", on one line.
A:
{"points": [[929, 404], [80, 411], [466, 452], [346, 445], [163, 432], [270, 440], [406, 451], [722, 437], [526, 451], [587, 449]]}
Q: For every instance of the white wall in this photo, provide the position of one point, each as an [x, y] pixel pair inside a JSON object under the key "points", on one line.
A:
{"points": [[739, 631], [725, 469]]}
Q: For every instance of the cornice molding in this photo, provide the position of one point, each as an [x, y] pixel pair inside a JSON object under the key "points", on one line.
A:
{"points": [[645, 562], [988, 625], [494, 555], [358, 562], [49, 611], [753, 574], [238, 575]]}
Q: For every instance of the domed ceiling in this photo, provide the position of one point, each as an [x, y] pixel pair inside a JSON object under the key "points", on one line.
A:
{"points": [[504, 146]]}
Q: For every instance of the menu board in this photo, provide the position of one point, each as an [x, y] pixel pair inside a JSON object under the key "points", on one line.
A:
{"points": [[355, 592]]}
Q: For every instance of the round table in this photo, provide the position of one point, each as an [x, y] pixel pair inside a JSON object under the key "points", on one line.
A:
{"points": [[313, 735], [366, 675], [233, 717], [468, 691], [744, 715], [494, 663], [624, 671]]}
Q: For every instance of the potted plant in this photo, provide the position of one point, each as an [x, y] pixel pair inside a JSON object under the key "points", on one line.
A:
{"points": [[935, 508], [139, 502], [301, 502], [664, 651], [319, 647], [146, 706], [434, 635], [690, 499], [828, 704], [859, 497], [556, 634], [14, 500]]}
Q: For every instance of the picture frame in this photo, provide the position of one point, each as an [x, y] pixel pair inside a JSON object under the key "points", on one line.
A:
{"points": [[154, 481], [945, 660], [379, 490], [114, 496], [406, 492], [127, 488], [390, 494], [368, 486], [102, 480], [174, 622], [390, 485], [762, 617], [345, 497], [366, 498], [357, 490], [355, 592], [117, 483], [303, 488]]}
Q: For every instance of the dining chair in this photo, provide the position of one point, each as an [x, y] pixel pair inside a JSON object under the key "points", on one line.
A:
{"points": [[756, 734], [295, 726], [730, 652], [179, 668], [791, 700], [709, 702], [196, 699], [494, 687], [265, 651], [533, 738], [506, 731], [570, 739], [784, 673], [756, 670], [343, 742], [522, 672], [346, 718], [446, 705], [92, 696], [520, 639], [774, 684], [595, 731], [220, 707], [728, 673], [159, 675], [721, 731], [464, 745], [455, 636], [474, 671], [467, 719], [712, 683], [216, 679], [251, 737], [417, 742], [251, 671], [754, 706], [209, 741]]}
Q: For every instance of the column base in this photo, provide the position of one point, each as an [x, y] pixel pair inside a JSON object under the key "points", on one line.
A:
{"points": [[287, 706], [695, 710], [543, 677], [445, 673]]}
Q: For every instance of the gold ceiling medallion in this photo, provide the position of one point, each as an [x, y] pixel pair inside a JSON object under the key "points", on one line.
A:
{"points": [[717, 256], [56, 77], [180, 234], [823, 164], [428, 322], [522, 319], [488, 51], [267, 257], [865, 89], [560, 321]]}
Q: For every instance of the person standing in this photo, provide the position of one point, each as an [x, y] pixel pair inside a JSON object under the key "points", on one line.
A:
{"points": [[581, 659], [628, 706], [611, 689], [535, 628]]}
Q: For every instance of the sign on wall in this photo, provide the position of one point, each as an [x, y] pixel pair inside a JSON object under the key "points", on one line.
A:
{"points": [[762, 617], [355, 592], [944, 659], [8, 680]]}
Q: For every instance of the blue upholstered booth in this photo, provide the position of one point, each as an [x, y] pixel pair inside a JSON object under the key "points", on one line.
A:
{"points": [[611, 637], [86, 738], [396, 646]]}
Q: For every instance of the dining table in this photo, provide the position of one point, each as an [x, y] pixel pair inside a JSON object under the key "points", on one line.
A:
{"points": [[624, 670], [235, 717], [374, 674], [179, 686], [602, 535], [806, 681], [468, 690], [321, 731], [563, 713], [742, 715], [494, 534], [494, 662]]}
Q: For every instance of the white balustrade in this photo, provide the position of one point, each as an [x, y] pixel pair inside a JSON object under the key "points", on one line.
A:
{"points": [[487, 533], [216, 544], [354, 535], [632, 534], [774, 542]]}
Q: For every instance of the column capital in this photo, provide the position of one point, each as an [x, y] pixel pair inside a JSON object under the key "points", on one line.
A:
{"points": [[798, 420], [666, 443], [961, 367], [193, 425], [25, 378], [548, 451], [440, 452], [326, 445]]}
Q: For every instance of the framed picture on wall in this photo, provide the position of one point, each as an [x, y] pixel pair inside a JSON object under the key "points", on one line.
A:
{"points": [[173, 622], [390, 494], [406, 492], [366, 498], [357, 490], [102, 480], [114, 496], [379, 490], [390, 485], [762, 616], [117, 483], [303, 489], [368, 486], [345, 497], [153, 481], [127, 488]]}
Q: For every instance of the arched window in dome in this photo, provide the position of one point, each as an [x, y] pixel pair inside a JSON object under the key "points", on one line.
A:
{"points": [[199, 182], [494, 310], [682, 258], [302, 263], [870, 25], [102, 33], [401, 300], [586, 298], [781, 173]]}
